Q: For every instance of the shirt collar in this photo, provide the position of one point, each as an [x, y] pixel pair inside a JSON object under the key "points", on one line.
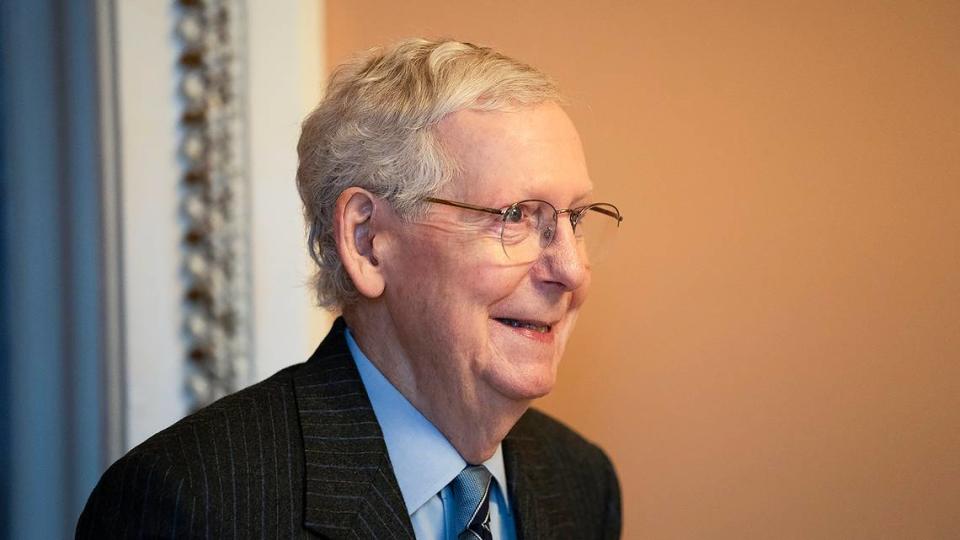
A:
{"points": [[423, 460]]}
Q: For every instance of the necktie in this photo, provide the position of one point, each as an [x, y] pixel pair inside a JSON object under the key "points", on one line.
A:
{"points": [[471, 496]]}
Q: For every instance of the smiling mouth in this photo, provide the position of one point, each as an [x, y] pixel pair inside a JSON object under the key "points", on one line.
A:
{"points": [[529, 325]]}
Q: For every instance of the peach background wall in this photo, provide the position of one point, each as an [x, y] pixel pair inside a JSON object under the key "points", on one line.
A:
{"points": [[776, 353]]}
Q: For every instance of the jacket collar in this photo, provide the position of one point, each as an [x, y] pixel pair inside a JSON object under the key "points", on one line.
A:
{"points": [[350, 489], [541, 499]]}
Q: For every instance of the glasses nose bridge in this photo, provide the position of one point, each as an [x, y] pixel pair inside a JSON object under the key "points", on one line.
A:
{"points": [[549, 234], [573, 215]]}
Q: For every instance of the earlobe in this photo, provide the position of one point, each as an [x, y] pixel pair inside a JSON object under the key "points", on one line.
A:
{"points": [[354, 226]]}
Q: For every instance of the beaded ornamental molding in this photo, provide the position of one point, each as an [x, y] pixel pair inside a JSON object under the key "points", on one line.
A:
{"points": [[214, 199]]}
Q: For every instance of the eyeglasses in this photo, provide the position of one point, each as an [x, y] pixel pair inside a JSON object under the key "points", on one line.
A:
{"points": [[529, 227]]}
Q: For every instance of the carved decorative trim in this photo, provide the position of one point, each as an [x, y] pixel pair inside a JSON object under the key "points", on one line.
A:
{"points": [[214, 199]]}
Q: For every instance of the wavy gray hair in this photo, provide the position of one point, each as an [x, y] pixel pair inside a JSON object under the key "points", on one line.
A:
{"points": [[375, 129]]}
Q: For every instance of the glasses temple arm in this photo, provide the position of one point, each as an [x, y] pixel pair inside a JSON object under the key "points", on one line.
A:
{"points": [[497, 211], [615, 214]]}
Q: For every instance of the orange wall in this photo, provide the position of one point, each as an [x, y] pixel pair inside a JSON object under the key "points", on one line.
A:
{"points": [[776, 353]]}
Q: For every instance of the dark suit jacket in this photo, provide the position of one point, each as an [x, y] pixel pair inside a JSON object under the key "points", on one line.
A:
{"points": [[301, 454]]}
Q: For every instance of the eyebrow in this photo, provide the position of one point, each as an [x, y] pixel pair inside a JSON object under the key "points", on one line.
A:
{"points": [[587, 195], [579, 200]]}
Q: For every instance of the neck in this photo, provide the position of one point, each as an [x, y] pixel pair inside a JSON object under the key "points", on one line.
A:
{"points": [[474, 419]]}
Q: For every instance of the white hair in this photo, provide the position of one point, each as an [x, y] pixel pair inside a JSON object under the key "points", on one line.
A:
{"points": [[374, 129]]}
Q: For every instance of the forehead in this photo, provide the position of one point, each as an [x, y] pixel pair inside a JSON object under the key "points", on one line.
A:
{"points": [[505, 156]]}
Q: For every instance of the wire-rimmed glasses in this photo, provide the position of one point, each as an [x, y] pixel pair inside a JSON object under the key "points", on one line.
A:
{"points": [[528, 227]]}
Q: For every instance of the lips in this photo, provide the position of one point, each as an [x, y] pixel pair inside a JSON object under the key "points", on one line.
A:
{"points": [[536, 326]]}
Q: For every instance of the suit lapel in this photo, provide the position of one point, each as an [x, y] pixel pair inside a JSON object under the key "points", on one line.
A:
{"points": [[350, 488], [543, 507]]}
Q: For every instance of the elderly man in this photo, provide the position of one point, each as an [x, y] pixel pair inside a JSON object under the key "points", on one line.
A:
{"points": [[451, 217]]}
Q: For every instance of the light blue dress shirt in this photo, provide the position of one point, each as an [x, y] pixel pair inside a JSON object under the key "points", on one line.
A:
{"points": [[424, 462]]}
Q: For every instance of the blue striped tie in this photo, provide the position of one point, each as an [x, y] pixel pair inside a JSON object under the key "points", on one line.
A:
{"points": [[471, 496]]}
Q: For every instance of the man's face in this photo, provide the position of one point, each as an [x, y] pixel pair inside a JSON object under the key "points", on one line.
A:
{"points": [[452, 292]]}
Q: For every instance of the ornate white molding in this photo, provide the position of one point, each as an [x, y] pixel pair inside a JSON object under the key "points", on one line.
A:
{"points": [[214, 198]]}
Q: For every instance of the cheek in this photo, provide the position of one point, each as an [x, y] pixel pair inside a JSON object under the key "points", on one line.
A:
{"points": [[471, 297], [491, 285], [448, 283], [471, 280]]}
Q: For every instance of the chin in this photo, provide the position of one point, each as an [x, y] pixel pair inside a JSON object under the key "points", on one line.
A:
{"points": [[523, 366], [524, 383]]}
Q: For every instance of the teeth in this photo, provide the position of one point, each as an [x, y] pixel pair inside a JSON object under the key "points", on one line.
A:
{"points": [[530, 326]]}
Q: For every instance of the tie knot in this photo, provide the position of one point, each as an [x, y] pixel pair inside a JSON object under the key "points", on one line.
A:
{"points": [[471, 496]]}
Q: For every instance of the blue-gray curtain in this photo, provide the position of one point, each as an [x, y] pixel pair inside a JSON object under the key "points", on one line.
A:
{"points": [[51, 308]]}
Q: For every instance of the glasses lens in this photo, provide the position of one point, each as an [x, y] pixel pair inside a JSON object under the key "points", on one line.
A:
{"points": [[528, 227], [596, 230]]}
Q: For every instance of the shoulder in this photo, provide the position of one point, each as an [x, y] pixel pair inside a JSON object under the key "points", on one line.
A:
{"points": [[550, 455], [224, 452], [249, 414], [560, 440]]}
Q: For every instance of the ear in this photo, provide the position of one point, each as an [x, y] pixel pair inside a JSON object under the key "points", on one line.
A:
{"points": [[354, 230]]}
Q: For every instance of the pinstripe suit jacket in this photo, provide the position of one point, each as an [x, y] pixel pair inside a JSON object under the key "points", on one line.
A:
{"points": [[301, 454]]}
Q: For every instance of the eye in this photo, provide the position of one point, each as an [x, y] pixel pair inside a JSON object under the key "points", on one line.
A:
{"points": [[514, 214], [576, 217]]}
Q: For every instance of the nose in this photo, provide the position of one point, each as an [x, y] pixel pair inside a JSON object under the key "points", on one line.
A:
{"points": [[563, 262]]}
